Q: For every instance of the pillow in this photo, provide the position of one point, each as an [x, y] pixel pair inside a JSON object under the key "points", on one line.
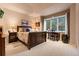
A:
{"points": [[12, 30], [20, 30]]}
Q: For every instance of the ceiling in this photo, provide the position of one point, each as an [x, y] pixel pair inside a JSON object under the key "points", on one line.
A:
{"points": [[36, 8]]}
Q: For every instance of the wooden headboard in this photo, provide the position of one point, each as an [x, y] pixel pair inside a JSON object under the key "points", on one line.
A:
{"points": [[18, 27]]}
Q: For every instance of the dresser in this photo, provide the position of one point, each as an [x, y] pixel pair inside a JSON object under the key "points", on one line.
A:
{"points": [[2, 43], [2, 46]]}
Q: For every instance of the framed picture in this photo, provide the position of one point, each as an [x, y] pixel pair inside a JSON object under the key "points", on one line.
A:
{"points": [[24, 22], [37, 24]]}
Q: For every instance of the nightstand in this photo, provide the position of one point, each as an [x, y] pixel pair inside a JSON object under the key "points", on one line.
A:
{"points": [[13, 37]]}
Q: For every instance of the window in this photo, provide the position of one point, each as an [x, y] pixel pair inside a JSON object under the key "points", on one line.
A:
{"points": [[61, 25], [53, 24], [47, 24], [58, 24]]}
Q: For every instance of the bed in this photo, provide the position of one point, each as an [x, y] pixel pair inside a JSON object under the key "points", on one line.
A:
{"points": [[31, 39], [23, 37]]}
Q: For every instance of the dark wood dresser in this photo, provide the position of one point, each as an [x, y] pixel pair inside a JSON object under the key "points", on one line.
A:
{"points": [[2, 43], [2, 46]]}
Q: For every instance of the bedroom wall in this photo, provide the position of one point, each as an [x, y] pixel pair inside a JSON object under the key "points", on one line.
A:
{"points": [[73, 25], [33, 20], [11, 19], [77, 24]]}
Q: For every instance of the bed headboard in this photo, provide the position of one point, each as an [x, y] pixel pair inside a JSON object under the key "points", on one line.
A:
{"points": [[23, 28]]}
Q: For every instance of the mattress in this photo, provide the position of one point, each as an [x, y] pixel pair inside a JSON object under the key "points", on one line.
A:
{"points": [[23, 36]]}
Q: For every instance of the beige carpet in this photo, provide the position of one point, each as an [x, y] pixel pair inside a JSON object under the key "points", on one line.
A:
{"points": [[14, 48], [49, 48]]}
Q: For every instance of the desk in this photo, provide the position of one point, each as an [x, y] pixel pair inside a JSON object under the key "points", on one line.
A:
{"points": [[53, 36]]}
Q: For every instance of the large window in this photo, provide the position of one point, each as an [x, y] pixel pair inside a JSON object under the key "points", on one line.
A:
{"points": [[58, 24]]}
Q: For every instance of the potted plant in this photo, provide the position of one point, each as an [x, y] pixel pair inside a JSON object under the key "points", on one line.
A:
{"points": [[1, 13]]}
